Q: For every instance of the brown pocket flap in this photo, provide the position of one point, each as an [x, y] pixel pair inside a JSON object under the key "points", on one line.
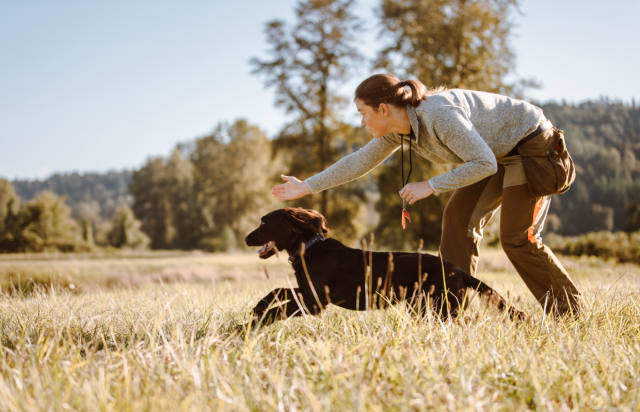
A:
{"points": [[541, 145]]}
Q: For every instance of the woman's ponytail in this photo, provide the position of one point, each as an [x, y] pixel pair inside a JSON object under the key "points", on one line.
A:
{"points": [[386, 88], [417, 94]]}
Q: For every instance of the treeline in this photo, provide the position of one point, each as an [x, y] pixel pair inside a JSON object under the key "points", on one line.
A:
{"points": [[93, 198], [603, 138], [99, 193], [210, 192], [44, 224]]}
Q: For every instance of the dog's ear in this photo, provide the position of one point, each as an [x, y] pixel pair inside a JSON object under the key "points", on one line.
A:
{"points": [[306, 220]]}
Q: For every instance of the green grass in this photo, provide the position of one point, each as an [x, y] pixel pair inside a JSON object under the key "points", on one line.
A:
{"points": [[172, 346]]}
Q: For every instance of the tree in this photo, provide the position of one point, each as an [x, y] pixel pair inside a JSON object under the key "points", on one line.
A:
{"points": [[456, 43], [231, 178], [42, 224], [150, 203], [632, 221], [179, 188], [9, 202], [165, 200], [309, 62], [125, 230], [88, 214]]}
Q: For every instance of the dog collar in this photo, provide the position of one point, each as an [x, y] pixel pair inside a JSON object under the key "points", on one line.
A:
{"points": [[317, 238]]}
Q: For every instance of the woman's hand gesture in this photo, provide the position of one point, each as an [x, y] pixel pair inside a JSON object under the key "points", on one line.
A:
{"points": [[413, 192], [293, 189]]}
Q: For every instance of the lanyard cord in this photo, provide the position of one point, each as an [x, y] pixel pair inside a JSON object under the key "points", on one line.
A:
{"points": [[405, 214], [404, 183]]}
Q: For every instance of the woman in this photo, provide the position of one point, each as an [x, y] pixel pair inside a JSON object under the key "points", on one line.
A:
{"points": [[481, 132]]}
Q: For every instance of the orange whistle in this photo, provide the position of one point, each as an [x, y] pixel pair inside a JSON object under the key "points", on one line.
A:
{"points": [[405, 214]]}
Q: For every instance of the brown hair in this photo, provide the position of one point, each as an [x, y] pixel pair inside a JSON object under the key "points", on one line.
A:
{"points": [[387, 88]]}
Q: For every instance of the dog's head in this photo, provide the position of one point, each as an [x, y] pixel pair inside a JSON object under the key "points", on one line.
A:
{"points": [[285, 229]]}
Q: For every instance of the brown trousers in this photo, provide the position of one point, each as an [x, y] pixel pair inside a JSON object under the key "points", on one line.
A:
{"points": [[521, 221]]}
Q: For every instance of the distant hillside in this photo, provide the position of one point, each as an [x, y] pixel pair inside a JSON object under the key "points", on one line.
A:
{"points": [[603, 138], [91, 195]]}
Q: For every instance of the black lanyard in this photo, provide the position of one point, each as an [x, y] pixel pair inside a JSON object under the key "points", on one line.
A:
{"points": [[404, 183]]}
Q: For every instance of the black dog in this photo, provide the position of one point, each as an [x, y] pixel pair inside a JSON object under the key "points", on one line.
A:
{"points": [[328, 272]]}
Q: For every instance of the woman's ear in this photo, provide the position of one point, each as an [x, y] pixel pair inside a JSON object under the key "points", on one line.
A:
{"points": [[384, 109]]}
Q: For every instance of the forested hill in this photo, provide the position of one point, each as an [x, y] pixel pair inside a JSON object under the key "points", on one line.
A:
{"points": [[603, 138], [95, 193]]}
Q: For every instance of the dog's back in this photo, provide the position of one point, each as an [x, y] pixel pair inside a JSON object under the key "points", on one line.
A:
{"points": [[346, 273]]}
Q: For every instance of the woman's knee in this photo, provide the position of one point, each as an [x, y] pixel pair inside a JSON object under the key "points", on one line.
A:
{"points": [[512, 242]]}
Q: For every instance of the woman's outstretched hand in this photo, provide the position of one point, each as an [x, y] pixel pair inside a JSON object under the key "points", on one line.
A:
{"points": [[293, 189], [413, 192]]}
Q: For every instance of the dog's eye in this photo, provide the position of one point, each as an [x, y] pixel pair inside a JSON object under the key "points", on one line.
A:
{"points": [[261, 223]]}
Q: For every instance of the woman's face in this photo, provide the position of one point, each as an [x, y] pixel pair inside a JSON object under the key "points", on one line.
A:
{"points": [[376, 121]]}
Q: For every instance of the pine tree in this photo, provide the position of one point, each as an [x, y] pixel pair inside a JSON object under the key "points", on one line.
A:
{"points": [[455, 43], [309, 61]]}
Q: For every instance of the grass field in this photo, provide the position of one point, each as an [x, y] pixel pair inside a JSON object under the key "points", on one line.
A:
{"points": [[155, 331]]}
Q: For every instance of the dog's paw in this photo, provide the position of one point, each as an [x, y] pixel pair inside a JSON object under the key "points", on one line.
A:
{"points": [[260, 308]]}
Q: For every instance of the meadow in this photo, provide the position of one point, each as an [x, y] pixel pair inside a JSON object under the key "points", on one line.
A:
{"points": [[157, 331]]}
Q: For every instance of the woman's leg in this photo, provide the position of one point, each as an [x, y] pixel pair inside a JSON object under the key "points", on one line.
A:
{"points": [[521, 222], [467, 213]]}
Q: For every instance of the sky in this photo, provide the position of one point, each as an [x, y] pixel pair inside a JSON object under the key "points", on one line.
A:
{"points": [[89, 86]]}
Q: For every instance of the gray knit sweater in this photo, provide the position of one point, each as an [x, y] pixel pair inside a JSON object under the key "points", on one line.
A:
{"points": [[462, 127]]}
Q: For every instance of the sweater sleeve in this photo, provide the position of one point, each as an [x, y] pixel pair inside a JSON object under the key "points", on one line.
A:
{"points": [[355, 165], [455, 130]]}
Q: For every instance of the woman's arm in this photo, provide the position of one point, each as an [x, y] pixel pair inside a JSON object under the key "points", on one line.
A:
{"points": [[456, 131], [344, 170]]}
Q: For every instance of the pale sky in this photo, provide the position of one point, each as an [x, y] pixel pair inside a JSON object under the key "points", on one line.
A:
{"points": [[96, 86]]}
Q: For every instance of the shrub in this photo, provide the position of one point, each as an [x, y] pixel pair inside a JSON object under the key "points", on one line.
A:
{"points": [[125, 230], [624, 247], [43, 224]]}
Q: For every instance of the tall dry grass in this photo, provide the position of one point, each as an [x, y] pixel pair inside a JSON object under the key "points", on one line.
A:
{"points": [[173, 347], [108, 270]]}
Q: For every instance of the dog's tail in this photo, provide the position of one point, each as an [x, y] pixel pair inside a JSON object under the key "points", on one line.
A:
{"points": [[494, 298]]}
